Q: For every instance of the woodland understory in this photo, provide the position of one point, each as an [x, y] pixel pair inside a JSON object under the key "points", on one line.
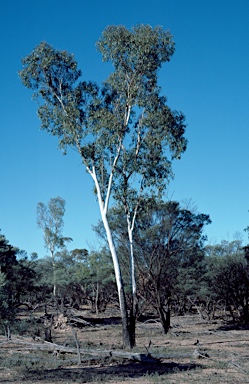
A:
{"points": [[86, 347]]}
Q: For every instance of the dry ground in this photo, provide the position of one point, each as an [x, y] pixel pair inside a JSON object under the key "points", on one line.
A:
{"points": [[224, 351]]}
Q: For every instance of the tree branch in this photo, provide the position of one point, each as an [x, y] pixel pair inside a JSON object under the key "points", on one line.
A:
{"points": [[108, 192]]}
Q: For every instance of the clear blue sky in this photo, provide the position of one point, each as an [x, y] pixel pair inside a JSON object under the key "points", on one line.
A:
{"points": [[207, 79]]}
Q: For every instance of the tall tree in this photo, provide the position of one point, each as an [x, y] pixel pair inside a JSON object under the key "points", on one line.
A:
{"points": [[156, 131], [124, 131], [50, 220]]}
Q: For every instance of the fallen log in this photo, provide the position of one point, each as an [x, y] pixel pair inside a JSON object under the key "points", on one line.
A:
{"points": [[56, 348], [95, 353], [74, 320]]}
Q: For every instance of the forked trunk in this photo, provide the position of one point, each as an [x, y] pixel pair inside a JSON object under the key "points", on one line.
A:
{"points": [[119, 281], [164, 319], [164, 314]]}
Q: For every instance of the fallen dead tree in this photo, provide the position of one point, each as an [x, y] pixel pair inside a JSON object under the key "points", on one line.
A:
{"points": [[62, 321], [21, 345], [76, 321]]}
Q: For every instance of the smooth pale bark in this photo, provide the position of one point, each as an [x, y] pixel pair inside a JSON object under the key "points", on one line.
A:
{"points": [[54, 277], [103, 206], [97, 298], [134, 304], [119, 281], [132, 262], [54, 270], [136, 55]]}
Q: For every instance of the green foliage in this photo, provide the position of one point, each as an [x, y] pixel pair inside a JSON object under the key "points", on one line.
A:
{"points": [[228, 277], [85, 277], [8, 262], [125, 119], [43, 284], [190, 274], [152, 129], [50, 220], [7, 256], [141, 50], [168, 250], [124, 131], [16, 281]]}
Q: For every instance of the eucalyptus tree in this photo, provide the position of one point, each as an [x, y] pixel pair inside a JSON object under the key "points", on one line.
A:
{"points": [[169, 253], [7, 302], [50, 220], [123, 130], [16, 282], [228, 277]]}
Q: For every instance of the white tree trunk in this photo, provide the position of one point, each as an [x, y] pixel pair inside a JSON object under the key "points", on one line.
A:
{"points": [[118, 276], [132, 262]]}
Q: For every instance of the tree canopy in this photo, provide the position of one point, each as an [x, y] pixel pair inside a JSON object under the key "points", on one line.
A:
{"points": [[123, 130]]}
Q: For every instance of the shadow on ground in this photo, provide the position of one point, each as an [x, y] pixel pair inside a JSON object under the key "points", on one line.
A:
{"points": [[231, 326], [106, 373], [113, 320]]}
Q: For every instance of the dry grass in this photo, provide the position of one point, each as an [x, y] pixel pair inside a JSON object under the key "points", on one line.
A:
{"points": [[225, 351]]}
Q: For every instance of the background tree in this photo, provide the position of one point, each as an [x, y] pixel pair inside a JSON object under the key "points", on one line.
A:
{"points": [[88, 279], [44, 282], [246, 248], [228, 277], [169, 254], [124, 131], [169, 243], [67, 270], [190, 289], [7, 262], [50, 220], [17, 281], [101, 280], [143, 167]]}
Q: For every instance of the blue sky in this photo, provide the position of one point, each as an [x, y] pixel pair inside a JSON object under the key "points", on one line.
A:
{"points": [[207, 79]]}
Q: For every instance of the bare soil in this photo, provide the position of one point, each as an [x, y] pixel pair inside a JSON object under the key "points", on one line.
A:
{"points": [[194, 351]]}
